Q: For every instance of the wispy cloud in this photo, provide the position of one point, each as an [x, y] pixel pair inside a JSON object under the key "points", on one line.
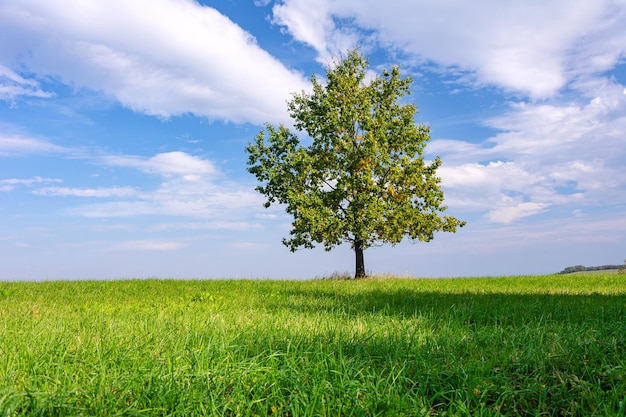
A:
{"points": [[146, 245], [191, 187], [12, 145], [102, 192], [210, 225], [13, 85], [246, 245], [515, 210], [9, 184], [179, 198], [164, 164]]}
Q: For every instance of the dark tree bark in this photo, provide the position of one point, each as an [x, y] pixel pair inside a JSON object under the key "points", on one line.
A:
{"points": [[360, 264]]}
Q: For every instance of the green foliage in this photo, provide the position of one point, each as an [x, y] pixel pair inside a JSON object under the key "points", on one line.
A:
{"points": [[521, 346], [363, 179], [582, 268], [572, 269]]}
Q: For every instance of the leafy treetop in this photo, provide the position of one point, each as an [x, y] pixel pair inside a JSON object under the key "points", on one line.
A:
{"points": [[363, 179]]}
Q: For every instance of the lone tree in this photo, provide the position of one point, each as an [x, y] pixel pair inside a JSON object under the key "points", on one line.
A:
{"points": [[363, 179]]}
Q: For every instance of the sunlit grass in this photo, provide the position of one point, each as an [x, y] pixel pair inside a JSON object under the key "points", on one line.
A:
{"points": [[550, 345]]}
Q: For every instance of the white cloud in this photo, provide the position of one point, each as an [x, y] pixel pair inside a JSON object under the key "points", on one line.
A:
{"points": [[101, 192], [515, 211], [160, 57], [146, 245], [534, 47], [9, 184], [246, 245], [13, 85], [15, 145], [558, 154], [204, 199], [210, 225], [116, 209], [312, 23], [178, 198], [266, 216], [191, 187], [165, 164], [502, 189], [564, 237], [564, 130], [494, 176]]}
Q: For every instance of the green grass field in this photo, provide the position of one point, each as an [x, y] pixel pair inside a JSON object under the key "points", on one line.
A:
{"points": [[549, 346]]}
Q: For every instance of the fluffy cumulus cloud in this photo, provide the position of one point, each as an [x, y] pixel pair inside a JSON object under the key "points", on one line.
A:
{"points": [[160, 57], [502, 189], [556, 154]]}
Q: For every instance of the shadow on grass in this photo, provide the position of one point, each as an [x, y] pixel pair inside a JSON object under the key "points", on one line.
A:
{"points": [[488, 308], [514, 354]]}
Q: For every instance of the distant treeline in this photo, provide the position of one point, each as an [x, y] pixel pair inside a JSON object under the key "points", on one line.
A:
{"points": [[580, 268]]}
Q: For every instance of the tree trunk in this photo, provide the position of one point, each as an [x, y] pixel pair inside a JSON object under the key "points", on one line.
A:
{"points": [[360, 264]]}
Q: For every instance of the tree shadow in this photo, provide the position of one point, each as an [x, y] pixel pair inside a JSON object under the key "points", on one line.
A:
{"points": [[471, 307], [517, 354]]}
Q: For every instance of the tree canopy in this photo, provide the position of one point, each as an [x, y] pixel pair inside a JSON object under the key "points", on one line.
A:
{"points": [[363, 179]]}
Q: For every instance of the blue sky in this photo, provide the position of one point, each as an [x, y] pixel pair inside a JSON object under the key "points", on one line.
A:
{"points": [[123, 127]]}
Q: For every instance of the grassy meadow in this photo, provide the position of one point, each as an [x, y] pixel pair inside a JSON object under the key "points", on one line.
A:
{"points": [[530, 346]]}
